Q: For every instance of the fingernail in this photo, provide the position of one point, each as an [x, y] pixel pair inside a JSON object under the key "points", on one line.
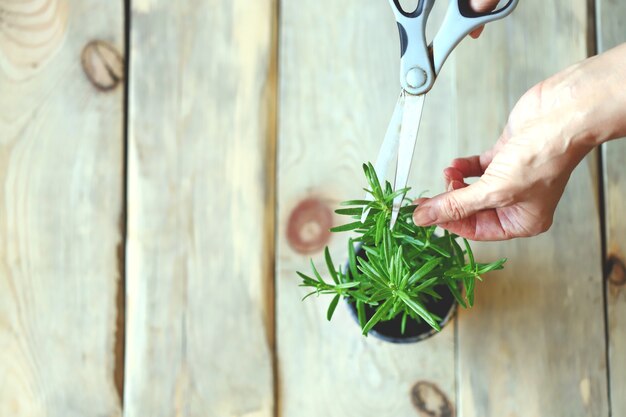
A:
{"points": [[424, 216]]}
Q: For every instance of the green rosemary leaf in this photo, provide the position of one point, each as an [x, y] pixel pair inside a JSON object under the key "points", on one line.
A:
{"points": [[352, 260], [470, 284], [406, 238], [454, 289], [342, 276], [352, 211], [470, 254], [374, 182], [378, 315], [424, 270], [431, 292], [371, 252], [438, 249], [379, 295], [390, 197], [309, 294], [484, 268], [427, 284], [346, 227], [360, 311], [347, 285], [332, 306], [330, 266], [355, 203], [458, 252], [387, 245], [420, 310], [398, 270], [304, 276], [371, 272], [405, 279], [307, 281], [395, 309], [403, 324], [357, 295], [457, 273], [317, 274], [377, 264], [380, 228], [408, 209], [388, 188]]}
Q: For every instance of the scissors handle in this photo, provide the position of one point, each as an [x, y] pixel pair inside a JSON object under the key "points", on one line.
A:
{"points": [[461, 20], [421, 63], [416, 68]]}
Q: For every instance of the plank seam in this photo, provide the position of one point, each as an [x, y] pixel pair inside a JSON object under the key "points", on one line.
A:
{"points": [[593, 48], [120, 333], [271, 215]]}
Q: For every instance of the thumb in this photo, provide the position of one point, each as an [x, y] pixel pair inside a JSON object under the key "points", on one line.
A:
{"points": [[452, 206]]}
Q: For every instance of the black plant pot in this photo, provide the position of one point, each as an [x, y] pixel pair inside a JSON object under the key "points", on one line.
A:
{"points": [[390, 330]]}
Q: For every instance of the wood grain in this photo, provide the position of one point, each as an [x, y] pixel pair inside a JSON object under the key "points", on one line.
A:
{"points": [[534, 344], [339, 64], [611, 16], [61, 163], [199, 324]]}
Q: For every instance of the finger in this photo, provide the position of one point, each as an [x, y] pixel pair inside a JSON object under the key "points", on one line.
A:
{"points": [[452, 174], [455, 185], [470, 166], [452, 206], [487, 156], [484, 226], [481, 6], [476, 32]]}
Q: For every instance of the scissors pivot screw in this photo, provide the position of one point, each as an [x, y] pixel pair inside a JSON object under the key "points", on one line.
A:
{"points": [[416, 77]]}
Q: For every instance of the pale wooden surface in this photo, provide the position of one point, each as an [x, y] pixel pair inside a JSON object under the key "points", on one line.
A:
{"points": [[199, 329], [611, 20], [199, 336], [339, 82], [61, 165], [534, 344]]}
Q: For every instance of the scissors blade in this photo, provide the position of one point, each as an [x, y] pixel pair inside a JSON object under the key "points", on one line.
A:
{"points": [[411, 118], [388, 150]]}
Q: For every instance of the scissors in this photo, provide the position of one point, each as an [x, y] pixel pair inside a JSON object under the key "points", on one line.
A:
{"points": [[420, 63]]}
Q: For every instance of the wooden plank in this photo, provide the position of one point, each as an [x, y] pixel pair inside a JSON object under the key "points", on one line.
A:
{"points": [[534, 344], [199, 320], [339, 82], [61, 163], [610, 18]]}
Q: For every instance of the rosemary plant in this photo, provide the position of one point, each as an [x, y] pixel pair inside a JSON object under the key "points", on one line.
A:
{"points": [[395, 271]]}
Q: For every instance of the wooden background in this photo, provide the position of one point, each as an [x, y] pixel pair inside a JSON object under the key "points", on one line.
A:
{"points": [[166, 166]]}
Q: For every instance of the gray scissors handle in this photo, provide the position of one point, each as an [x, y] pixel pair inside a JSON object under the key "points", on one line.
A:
{"points": [[420, 63]]}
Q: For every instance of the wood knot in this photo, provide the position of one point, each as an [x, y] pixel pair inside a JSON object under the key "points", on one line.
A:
{"points": [[430, 401], [103, 65], [616, 271], [308, 226], [31, 33]]}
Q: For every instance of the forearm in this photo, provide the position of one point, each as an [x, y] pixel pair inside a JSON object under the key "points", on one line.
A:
{"points": [[595, 90]]}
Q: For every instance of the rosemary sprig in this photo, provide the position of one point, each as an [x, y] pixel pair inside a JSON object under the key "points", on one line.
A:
{"points": [[399, 269]]}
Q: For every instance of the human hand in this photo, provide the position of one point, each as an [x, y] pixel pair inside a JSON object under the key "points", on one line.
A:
{"points": [[551, 128], [481, 6]]}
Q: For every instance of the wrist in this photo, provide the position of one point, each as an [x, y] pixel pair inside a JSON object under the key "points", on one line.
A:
{"points": [[598, 98]]}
